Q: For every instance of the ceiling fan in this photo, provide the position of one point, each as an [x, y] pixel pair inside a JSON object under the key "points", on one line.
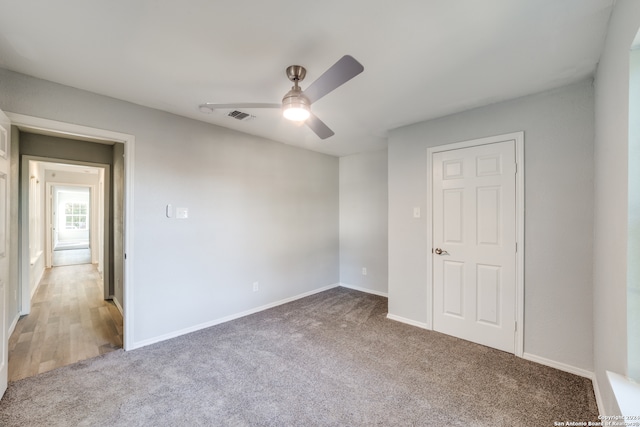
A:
{"points": [[296, 104]]}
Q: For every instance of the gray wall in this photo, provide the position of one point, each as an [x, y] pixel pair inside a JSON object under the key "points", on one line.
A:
{"points": [[258, 210], [363, 221], [611, 196], [62, 148], [559, 136]]}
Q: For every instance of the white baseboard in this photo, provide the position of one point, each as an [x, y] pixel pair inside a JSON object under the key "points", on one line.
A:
{"points": [[118, 305], [12, 327], [599, 402], [559, 365], [229, 318], [37, 282], [361, 289], [408, 321]]}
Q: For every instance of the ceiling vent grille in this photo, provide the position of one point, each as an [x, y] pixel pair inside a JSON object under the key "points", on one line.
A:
{"points": [[239, 115]]}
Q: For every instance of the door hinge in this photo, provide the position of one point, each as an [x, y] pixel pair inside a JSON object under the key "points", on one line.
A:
{"points": [[515, 326], [125, 256], [516, 168], [516, 246]]}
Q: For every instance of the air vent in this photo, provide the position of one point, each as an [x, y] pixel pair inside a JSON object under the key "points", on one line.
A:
{"points": [[239, 115]]}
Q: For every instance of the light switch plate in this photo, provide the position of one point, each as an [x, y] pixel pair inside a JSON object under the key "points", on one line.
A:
{"points": [[182, 213], [416, 212]]}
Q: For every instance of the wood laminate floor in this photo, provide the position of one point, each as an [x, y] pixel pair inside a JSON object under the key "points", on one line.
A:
{"points": [[69, 321], [71, 257]]}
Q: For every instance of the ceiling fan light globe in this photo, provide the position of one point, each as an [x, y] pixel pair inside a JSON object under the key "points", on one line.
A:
{"points": [[205, 109], [296, 114], [296, 106]]}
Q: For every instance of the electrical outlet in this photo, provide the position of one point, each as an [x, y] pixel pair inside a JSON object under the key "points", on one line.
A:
{"points": [[364, 271], [256, 286]]}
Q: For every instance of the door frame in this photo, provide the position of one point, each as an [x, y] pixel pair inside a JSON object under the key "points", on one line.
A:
{"points": [[84, 133], [518, 137]]}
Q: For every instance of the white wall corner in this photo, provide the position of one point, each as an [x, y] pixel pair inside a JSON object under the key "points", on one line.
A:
{"points": [[559, 365], [361, 289], [572, 370], [408, 321]]}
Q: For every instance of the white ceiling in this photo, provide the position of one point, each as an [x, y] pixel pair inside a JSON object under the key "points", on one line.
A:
{"points": [[422, 58]]}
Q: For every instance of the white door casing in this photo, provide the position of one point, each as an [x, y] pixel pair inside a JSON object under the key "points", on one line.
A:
{"points": [[52, 127], [50, 226], [475, 204], [5, 146]]}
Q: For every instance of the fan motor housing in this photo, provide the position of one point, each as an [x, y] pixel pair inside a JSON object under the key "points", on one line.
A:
{"points": [[296, 73]]}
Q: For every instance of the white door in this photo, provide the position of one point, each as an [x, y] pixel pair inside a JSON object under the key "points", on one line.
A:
{"points": [[474, 244], [5, 145]]}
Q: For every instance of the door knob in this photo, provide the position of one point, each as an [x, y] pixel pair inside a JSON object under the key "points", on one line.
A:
{"points": [[439, 251]]}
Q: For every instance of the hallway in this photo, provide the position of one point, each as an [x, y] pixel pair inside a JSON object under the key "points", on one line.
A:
{"points": [[69, 321]]}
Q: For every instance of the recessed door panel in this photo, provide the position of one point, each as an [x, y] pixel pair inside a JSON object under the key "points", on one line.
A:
{"points": [[489, 165], [452, 169], [488, 291], [452, 212], [454, 288], [488, 213]]}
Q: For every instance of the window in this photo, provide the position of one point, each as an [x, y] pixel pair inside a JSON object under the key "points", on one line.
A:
{"points": [[75, 216]]}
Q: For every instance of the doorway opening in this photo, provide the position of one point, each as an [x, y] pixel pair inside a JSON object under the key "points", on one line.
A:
{"points": [[72, 252]]}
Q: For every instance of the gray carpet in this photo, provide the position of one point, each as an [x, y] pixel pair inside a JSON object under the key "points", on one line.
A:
{"points": [[331, 359]]}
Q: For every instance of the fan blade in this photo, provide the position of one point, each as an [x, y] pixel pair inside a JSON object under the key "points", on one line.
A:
{"points": [[241, 105], [341, 72], [319, 127]]}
